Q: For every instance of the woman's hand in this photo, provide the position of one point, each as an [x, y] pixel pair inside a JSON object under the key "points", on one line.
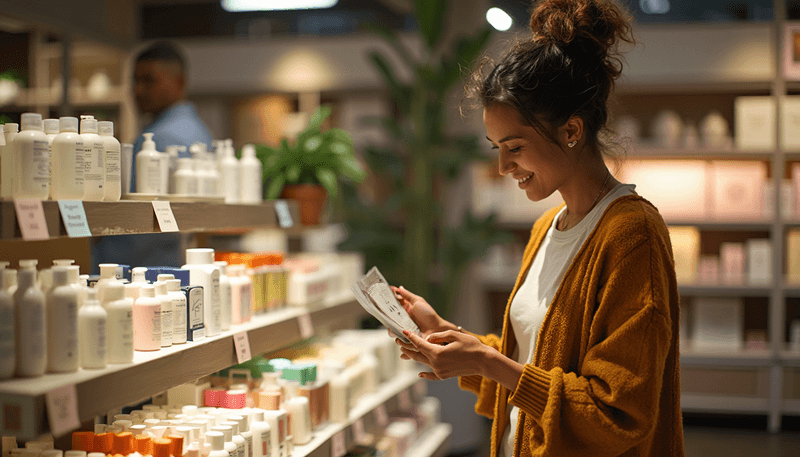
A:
{"points": [[449, 354], [421, 312]]}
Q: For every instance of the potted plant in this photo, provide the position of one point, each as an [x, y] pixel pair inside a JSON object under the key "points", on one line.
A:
{"points": [[310, 169]]}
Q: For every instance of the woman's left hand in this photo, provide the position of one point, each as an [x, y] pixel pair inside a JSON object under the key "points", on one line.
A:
{"points": [[449, 354]]}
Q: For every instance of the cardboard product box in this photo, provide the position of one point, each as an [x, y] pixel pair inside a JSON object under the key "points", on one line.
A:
{"points": [[686, 251], [678, 188], [732, 262], [790, 123], [738, 189], [717, 324], [759, 261], [793, 256], [754, 123]]}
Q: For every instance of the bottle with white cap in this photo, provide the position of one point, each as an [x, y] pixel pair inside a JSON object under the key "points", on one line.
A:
{"points": [[120, 323], [229, 171], [62, 324], [185, 178], [244, 432], [179, 313], [67, 154], [94, 160], [112, 175], [92, 323], [45, 280], [31, 159], [203, 272], [108, 275], [30, 324], [167, 311], [278, 422], [241, 294], [7, 155], [225, 295], [51, 129], [299, 412], [250, 176], [217, 441], [262, 435], [148, 167], [10, 280], [7, 352], [237, 438], [230, 446], [147, 320], [137, 280]]}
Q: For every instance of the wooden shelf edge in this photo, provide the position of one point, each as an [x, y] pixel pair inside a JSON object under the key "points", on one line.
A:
{"points": [[693, 402]]}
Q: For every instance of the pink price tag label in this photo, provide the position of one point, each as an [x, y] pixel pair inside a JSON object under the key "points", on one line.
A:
{"points": [[31, 220], [62, 409], [358, 431], [306, 326], [381, 417], [404, 399], [242, 343], [338, 445]]}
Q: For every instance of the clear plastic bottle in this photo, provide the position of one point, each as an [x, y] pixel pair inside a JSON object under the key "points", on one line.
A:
{"points": [[225, 295], [62, 324], [92, 323], [167, 312], [251, 180], [31, 159], [30, 322], [68, 153], [93, 160], [185, 177], [112, 174], [179, 313], [7, 352], [229, 171], [120, 323], [7, 154], [126, 163], [148, 168], [147, 320]]}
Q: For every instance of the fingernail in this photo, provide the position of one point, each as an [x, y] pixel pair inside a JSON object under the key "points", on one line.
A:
{"points": [[406, 333], [420, 375]]}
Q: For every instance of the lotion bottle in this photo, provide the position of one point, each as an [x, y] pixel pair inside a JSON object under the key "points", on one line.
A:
{"points": [[167, 312], [112, 165], [217, 441], [262, 435], [51, 129], [227, 433], [120, 323], [108, 275], [229, 170], [7, 352], [10, 280], [30, 327], [225, 295], [244, 432], [92, 322], [62, 324], [94, 166], [203, 272], [185, 178], [179, 312], [148, 167], [250, 177], [147, 320], [31, 158], [137, 281], [67, 159], [236, 437], [7, 155]]}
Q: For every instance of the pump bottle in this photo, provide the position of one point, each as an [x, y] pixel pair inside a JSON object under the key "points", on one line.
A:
{"points": [[7, 154], [30, 327], [62, 324], [250, 176], [7, 351], [67, 158], [94, 160], [111, 148], [92, 323], [32, 162], [148, 167]]}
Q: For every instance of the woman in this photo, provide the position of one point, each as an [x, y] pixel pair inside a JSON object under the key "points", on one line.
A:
{"points": [[588, 360]]}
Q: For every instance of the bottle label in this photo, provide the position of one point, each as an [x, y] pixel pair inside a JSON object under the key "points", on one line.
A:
{"points": [[100, 337], [246, 306], [80, 166], [152, 178], [112, 166], [249, 445], [166, 327], [70, 329], [41, 163], [94, 164], [179, 318], [157, 326], [126, 329], [34, 337], [7, 332], [265, 443]]}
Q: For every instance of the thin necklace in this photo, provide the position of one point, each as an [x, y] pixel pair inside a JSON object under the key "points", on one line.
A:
{"points": [[566, 213]]}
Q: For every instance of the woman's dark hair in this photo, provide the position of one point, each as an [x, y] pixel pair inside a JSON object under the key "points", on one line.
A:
{"points": [[568, 68]]}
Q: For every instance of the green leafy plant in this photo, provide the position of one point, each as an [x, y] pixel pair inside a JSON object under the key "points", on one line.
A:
{"points": [[405, 235], [316, 157]]}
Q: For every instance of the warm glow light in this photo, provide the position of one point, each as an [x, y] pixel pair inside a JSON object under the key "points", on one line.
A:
{"points": [[499, 19], [301, 70], [275, 5]]}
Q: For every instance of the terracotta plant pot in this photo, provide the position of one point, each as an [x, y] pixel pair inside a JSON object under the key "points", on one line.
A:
{"points": [[310, 200]]}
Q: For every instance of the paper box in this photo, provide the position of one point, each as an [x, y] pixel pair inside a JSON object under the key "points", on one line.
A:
{"points": [[686, 251], [754, 123], [678, 188], [759, 261], [738, 189], [790, 123], [717, 324], [731, 257]]}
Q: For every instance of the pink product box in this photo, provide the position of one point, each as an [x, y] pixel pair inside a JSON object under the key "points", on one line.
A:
{"points": [[234, 399], [732, 263], [708, 270], [214, 397], [738, 189]]}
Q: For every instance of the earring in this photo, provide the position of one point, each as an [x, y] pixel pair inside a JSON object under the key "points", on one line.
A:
{"points": [[572, 144]]}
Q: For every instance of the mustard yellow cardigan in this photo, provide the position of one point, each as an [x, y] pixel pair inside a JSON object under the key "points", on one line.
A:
{"points": [[605, 378]]}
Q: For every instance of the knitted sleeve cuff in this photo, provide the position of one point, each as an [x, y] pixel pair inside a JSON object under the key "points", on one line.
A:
{"points": [[470, 383], [532, 391]]}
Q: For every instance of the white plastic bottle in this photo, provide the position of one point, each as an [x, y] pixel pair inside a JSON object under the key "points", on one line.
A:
{"points": [[31, 159], [62, 324], [185, 178], [92, 322], [137, 281], [203, 272], [93, 160], [262, 435], [147, 320], [126, 163], [240, 295], [108, 274], [173, 154], [45, 281], [251, 180], [148, 168], [227, 432], [225, 295], [244, 432], [51, 129], [217, 441], [7, 154], [167, 311], [236, 437], [112, 174], [7, 352], [229, 169], [67, 158], [120, 323], [179, 312], [30, 324], [10, 280], [277, 420]]}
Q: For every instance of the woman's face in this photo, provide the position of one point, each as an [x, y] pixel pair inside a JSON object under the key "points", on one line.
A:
{"points": [[539, 166]]}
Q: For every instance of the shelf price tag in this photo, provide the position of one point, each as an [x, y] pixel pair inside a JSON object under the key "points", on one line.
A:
{"points": [[381, 417], [338, 445], [358, 430], [242, 343], [62, 409], [306, 326], [31, 220], [284, 216], [404, 400], [166, 220], [74, 217]]}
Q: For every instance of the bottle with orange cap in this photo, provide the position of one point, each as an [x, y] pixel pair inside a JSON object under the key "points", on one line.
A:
{"points": [[143, 444]]}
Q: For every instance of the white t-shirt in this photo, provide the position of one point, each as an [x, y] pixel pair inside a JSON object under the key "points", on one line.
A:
{"points": [[540, 286]]}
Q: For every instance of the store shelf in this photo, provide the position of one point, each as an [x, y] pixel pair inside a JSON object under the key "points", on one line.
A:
{"points": [[131, 217], [791, 407], [724, 404], [321, 444], [724, 225], [639, 152], [790, 358], [745, 358], [433, 442], [724, 291], [152, 372], [45, 97]]}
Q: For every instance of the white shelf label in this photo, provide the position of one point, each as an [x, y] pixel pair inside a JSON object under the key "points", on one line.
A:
{"points": [[166, 220], [74, 217], [31, 220], [404, 399], [242, 343], [306, 326], [358, 431], [62, 409], [283, 213], [381, 417], [338, 445]]}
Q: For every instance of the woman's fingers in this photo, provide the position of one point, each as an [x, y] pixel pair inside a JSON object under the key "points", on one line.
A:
{"points": [[405, 345]]}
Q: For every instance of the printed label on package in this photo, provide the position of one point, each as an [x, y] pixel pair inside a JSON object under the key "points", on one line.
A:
{"points": [[242, 343], [306, 326], [74, 217], [166, 220], [31, 220], [62, 409], [283, 213]]}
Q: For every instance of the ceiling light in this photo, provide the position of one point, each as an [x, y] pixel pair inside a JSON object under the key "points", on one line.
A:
{"points": [[275, 5], [499, 19]]}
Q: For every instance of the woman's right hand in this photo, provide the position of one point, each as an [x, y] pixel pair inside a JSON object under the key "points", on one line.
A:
{"points": [[421, 312]]}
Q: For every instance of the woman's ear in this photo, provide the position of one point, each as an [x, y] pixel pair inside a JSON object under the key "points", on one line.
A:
{"points": [[571, 133]]}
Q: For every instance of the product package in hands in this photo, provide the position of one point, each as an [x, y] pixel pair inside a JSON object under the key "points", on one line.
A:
{"points": [[374, 294]]}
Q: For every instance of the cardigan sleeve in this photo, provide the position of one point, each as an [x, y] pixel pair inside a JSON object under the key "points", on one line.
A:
{"points": [[612, 403], [484, 388]]}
